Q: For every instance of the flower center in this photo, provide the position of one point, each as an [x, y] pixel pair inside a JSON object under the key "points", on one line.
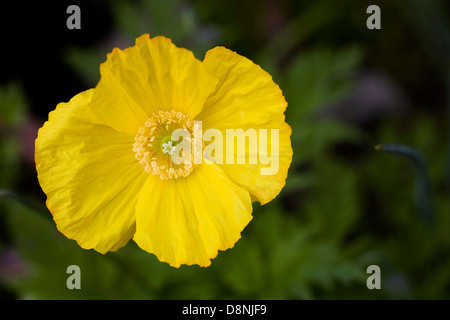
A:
{"points": [[154, 146]]}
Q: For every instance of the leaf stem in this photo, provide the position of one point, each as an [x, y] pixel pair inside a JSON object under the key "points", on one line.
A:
{"points": [[423, 194]]}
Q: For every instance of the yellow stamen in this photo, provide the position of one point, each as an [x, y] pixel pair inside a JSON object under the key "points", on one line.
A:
{"points": [[154, 148]]}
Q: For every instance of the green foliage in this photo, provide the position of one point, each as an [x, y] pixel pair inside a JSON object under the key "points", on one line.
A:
{"points": [[282, 255], [318, 77], [285, 259], [13, 108]]}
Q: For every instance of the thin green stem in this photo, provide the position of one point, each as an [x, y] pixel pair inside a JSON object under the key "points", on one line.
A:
{"points": [[423, 196]]}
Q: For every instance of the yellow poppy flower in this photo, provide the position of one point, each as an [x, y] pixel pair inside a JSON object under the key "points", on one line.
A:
{"points": [[104, 158]]}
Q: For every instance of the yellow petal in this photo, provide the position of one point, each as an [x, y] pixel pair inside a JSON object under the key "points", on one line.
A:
{"points": [[152, 76], [187, 220], [247, 98], [90, 176]]}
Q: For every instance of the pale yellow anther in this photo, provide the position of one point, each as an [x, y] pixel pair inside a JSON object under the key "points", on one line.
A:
{"points": [[154, 150]]}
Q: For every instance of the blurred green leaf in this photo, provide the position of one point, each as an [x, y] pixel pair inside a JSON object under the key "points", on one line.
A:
{"points": [[313, 138], [47, 254], [284, 260], [86, 63]]}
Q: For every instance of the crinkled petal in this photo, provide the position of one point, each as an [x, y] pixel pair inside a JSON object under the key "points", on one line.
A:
{"points": [[187, 220], [90, 176], [152, 76], [247, 98]]}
